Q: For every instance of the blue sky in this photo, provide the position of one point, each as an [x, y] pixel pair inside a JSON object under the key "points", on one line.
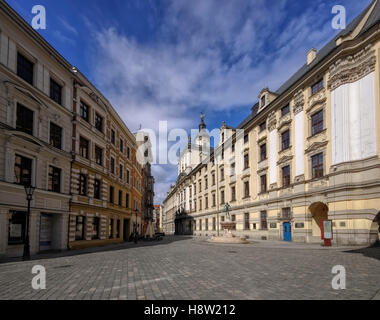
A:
{"points": [[171, 59]]}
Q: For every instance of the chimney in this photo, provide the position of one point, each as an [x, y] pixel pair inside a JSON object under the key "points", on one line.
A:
{"points": [[311, 55]]}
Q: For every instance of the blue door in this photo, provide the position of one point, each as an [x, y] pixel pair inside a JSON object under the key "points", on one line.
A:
{"points": [[287, 231]]}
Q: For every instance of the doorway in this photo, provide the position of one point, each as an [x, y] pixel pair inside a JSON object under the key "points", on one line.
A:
{"points": [[46, 228], [287, 230], [126, 229], [319, 212]]}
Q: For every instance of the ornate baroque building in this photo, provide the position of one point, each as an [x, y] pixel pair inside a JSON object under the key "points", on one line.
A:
{"points": [[307, 152]]}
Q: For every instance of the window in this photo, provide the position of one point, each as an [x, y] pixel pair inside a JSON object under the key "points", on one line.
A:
{"points": [[128, 153], [285, 110], [113, 137], [222, 174], [286, 176], [263, 152], [246, 161], [213, 179], [206, 183], [121, 171], [128, 176], [55, 136], [23, 170], [222, 199], [110, 229], [111, 194], [233, 194], [285, 140], [286, 213], [200, 205], [246, 138], [121, 145], [200, 225], [317, 165], [98, 122], [82, 184], [95, 228], [318, 86], [317, 122], [222, 137], [213, 200], [200, 186], [17, 227], [206, 202], [206, 224], [84, 111], [79, 227], [55, 91], [214, 223], [117, 229], [112, 165], [246, 189], [83, 147], [25, 68], [263, 220], [263, 126], [97, 189], [233, 169], [233, 148], [263, 183], [98, 155], [233, 218], [54, 183], [120, 198], [246, 221], [24, 120], [263, 100], [222, 219], [127, 200]]}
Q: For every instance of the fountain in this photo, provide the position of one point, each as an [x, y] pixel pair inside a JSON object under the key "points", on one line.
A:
{"points": [[228, 226]]}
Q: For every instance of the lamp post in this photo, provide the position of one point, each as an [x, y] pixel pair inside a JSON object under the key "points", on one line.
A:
{"points": [[135, 227], [29, 190]]}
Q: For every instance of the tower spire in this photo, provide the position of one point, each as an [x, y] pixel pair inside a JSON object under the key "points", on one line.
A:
{"points": [[202, 125]]}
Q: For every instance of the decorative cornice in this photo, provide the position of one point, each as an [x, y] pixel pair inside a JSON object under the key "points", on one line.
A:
{"points": [[285, 159], [299, 101], [316, 146], [272, 121], [352, 68]]}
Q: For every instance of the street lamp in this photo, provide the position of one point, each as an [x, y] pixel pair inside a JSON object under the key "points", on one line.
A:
{"points": [[29, 190]]}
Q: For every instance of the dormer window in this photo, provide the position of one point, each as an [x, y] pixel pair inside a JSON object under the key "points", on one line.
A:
{"points": [[263, 101]]}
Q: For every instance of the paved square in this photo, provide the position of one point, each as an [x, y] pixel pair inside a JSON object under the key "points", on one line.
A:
{"points": [[186, 268]]}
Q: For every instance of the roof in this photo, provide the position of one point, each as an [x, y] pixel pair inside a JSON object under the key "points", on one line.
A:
{"points": [[372, 20]]}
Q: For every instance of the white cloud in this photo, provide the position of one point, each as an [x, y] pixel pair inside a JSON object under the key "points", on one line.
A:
{"points": [[214, 54]]}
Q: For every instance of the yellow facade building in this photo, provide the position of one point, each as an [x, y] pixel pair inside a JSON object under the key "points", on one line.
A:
{"points": [[308, 152]]}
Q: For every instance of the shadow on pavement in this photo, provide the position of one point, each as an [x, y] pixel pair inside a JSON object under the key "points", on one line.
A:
{"points": [[106, 248], [370, 252]]}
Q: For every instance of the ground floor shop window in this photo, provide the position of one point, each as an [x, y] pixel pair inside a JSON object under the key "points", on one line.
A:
{"points": [[110, 229], [17, 227], [79, 228], [95, 228], [118, 229]]}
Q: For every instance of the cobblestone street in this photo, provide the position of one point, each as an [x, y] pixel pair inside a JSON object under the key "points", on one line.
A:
{"points": [[186, 268]]}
